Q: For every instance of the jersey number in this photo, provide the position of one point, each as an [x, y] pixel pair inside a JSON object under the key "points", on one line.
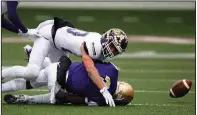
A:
{"points": [[76, 32], [107, 81]]}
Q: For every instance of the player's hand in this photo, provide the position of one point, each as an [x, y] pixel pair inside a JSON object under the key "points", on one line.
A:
{"points": [[108, 98]]}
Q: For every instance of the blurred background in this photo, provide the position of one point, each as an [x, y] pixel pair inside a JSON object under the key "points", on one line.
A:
{"points": [[161, 48]]}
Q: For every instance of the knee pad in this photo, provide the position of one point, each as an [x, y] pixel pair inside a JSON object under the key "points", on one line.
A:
{"points": [[18, 84], [31, 72]]}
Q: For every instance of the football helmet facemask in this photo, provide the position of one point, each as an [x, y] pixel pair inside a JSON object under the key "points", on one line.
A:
{"points": [[114, 42]]}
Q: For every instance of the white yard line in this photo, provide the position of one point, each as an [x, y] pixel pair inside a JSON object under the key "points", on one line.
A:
{"points": [[160, 105], [156, 71], [146, 70], [146, 104], [156, 55], [151, 80], [160, 39], [133, 39], [85, 19]]}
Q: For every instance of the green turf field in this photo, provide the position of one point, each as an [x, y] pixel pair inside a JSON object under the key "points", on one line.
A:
{"points": [[151, 79], [134, 22]]}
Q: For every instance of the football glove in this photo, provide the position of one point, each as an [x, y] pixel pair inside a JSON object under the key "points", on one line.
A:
{"points": [[31, 33], [108, 98]]}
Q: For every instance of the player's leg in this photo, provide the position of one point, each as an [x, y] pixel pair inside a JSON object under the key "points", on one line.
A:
{"points": [[28, 50], [18, 71], [47, 22], [39, 99], [13, 72], [61, 75], [57, 71], [14, 85], [39, 52], [44, 29], [40, 81], [46, 62], [8, 25], [51, 74], [35, 99], [55, 54], [22, 84], [37, 56], [17, 84]]}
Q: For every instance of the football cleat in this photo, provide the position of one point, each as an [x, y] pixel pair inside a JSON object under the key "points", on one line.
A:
{"points": [[27, 50], [114, 42], [15, 99], [124, 93]]}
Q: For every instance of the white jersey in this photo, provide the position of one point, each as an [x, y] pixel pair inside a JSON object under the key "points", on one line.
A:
{"points": [[3, 7], [71, 39]]}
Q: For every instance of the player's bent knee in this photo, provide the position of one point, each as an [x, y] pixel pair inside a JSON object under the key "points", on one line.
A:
{"points": [[31, 72]]}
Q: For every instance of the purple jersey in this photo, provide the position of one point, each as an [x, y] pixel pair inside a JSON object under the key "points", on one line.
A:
{"points": [[80, 83]]}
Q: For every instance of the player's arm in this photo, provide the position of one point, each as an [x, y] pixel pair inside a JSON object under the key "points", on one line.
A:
{"points": [[90, 68], [13, 16], [95, 77]]}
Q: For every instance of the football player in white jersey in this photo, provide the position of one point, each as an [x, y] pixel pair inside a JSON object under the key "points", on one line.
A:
{"points": [[60, 37]]}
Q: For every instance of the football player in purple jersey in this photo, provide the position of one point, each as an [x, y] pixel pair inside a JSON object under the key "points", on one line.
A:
{"points": [[70, 82]]}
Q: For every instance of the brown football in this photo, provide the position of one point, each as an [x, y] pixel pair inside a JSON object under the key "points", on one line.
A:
{"points": [[180, 88]]}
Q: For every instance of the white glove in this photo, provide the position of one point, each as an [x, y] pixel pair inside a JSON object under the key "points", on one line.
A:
{"points": [[31, 33], [108, 98]]}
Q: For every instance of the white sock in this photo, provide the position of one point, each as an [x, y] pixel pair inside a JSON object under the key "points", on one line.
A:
{"points": [[13, 72], [39, 99], [14, 85]]}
